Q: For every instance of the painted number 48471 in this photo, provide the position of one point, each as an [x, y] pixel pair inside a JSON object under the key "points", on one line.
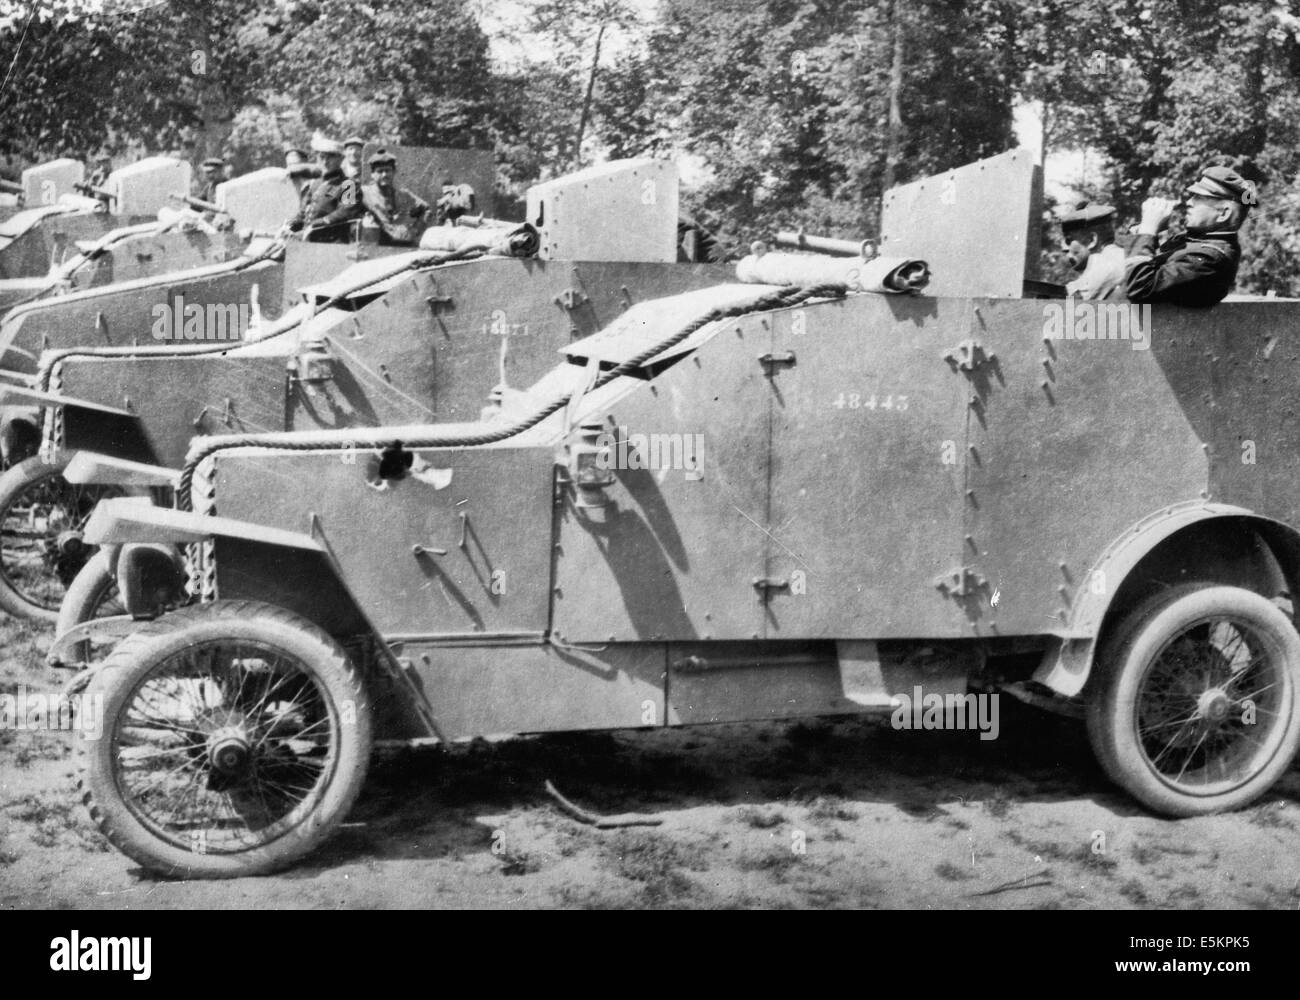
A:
{"points": [[856, 401]]}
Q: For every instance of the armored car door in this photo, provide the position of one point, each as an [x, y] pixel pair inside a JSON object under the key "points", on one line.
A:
{"points": [[867, 473]]}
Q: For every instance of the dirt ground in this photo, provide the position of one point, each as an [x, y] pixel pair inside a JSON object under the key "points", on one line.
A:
{"points": [[815, 814]]}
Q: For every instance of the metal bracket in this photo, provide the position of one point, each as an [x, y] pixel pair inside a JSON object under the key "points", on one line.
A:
{"points": [[961, 582], [765, 585], [969, 356], [570, 299], [438, 302], [770, 361]]}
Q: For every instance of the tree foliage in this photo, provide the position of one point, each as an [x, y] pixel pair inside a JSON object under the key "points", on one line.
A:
{"points": [[783, 113]]}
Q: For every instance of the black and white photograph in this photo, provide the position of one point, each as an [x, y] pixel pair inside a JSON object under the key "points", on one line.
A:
{"points": [[651, 455]]}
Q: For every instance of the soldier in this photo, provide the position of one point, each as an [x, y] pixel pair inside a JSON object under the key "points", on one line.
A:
{"points": [[1198, 267], [352, 147], [456, 200], [300, 169], [1088, 241], [103, 167], [395, 212], [204, 187], [329, 202]]}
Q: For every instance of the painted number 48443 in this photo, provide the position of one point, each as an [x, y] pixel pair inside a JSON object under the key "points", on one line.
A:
{"points": [[857, 401]]}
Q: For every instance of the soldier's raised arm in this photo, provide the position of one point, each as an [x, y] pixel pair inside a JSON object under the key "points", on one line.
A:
{"points": [[1198, 267]]}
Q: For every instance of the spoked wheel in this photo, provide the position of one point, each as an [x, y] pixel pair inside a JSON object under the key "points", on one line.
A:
{"points": [[42, 520], [1196, 708], [235, 738]]}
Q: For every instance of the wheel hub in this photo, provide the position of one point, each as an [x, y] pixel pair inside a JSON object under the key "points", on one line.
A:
{"points": [[229, 751], [1213, 705], [70, 543]]}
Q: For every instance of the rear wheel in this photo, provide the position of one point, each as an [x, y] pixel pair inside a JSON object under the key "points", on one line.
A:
{"points": [[1196, 706], [42, 521], [236, 736]]}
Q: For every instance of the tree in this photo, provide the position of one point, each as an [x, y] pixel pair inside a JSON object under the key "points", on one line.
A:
{"points": [[416, 69]]}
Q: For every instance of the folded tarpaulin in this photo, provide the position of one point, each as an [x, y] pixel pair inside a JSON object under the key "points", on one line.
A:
{"points": [[518, 241], [883, 274]]}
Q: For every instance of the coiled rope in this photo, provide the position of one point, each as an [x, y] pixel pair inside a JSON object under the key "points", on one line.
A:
{"points": [[202, 448], [50, 360]]}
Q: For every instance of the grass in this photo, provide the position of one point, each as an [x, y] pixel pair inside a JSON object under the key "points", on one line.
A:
{"points": [[1133, 891], [1271, 816], [760, 819], [951, 872], [776, 863], [831, 807], [519, 863], [656, 862], [998, 804], [55, 815]]}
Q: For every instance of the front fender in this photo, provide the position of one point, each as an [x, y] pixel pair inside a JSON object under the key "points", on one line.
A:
{"points": [[123, 520], [1067, 665]]}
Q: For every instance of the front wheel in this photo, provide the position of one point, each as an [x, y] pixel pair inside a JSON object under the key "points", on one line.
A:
{"points": [[235, 737], [1196, 706]]}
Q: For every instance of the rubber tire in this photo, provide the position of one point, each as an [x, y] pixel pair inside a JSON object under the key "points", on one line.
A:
{"points": [[12, 483], [132, 660], [1120, 669], [85, 594]]}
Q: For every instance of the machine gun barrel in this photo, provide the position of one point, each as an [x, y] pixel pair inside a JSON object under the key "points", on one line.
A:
{"points": [[825, 244], [10, 187], [95, 192], [198, 204], [481, 221]]}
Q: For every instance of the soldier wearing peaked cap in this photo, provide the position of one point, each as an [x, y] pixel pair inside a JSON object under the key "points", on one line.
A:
{"points": [[213, 173], [352, 149], [330, 202], [1198, 267], [1088, 241], [398, 214], [103, 167]]}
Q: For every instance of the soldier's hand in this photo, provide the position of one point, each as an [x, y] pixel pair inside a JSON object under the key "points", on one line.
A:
{"points": [[1155, 215]]}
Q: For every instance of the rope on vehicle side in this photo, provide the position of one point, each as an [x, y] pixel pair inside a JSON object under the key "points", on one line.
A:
{"points": [[51, 359], [205, 447]]}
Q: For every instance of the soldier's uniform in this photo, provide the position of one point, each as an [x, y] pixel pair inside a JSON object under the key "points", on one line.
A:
{"points": [[328, 203], [205, 188], [103, 167], [1102, 275], [397, 213], [1195, 268]]}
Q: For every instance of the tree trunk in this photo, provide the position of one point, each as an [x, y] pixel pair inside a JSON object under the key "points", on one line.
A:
{"points": [[895, 127], [586, 99]]}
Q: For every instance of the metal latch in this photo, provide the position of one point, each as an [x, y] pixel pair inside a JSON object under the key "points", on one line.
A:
{"points": [[570, 298], [770, 361], [763, 584], [438, 302], [960, 582], [968, 356], [314, 364]]}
